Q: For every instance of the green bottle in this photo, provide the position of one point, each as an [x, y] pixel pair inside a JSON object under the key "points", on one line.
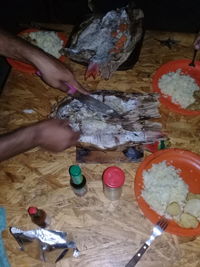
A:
{"points": [[77, 180]]}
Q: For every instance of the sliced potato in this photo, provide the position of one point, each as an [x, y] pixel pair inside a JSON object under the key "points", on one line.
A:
{"points": [[188, 221], [173, 209], [193, 207], [192, 196]]}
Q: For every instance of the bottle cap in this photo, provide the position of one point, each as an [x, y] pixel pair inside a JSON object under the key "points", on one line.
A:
{"points": [[75, 170], [32, 210], [113, 177]]}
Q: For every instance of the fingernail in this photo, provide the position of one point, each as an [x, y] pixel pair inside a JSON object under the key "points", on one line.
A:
{"points": [[38, 73], [72, 89]]}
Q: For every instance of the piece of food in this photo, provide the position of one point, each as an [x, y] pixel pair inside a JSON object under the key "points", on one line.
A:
{"points": [[196, 104], [188, 221], [193, 207], [105, 41], [192, 196], [179, 87], [173, 209], [101, 132], [46, 40], [163, 185]]}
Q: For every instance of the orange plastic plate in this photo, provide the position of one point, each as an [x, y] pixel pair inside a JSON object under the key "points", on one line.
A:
{"points": [[189, 164], [173, 66], [29, 68]]}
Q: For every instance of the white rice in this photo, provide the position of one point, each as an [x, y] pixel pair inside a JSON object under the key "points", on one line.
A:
{"points": [[162, 186], [179, 86], [47, 41]]}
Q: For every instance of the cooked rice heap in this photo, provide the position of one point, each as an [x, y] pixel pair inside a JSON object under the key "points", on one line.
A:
{"points": [[47, 41], [162, 186], [179, 86]]}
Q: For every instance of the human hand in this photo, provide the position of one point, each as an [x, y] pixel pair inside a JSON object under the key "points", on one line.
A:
{"points": [[55, 135], [197, 43], [56, 74]]}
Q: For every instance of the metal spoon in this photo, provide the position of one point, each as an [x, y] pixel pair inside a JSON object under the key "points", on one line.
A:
{"points": [[193, 59]]}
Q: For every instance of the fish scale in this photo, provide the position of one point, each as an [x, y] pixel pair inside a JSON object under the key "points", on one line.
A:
{"points": [[105, 42], [103, 132]]}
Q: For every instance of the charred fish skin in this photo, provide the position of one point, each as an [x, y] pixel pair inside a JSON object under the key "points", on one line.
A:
{"points": [[105, 42], [100, 132]]}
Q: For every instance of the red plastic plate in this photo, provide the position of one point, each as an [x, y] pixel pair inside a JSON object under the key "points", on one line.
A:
{"points": [[29, 68], [189, 164], [173, 66]]}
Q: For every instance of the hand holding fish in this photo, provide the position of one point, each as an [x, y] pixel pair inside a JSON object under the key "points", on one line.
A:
{"points": [[55, 135]]}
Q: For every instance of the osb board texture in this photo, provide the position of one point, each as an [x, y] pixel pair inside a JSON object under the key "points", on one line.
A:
{"points": [[107, 233]]}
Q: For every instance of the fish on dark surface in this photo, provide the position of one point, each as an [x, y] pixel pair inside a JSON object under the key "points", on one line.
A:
{"points": [[101, 132], [104, 42]]}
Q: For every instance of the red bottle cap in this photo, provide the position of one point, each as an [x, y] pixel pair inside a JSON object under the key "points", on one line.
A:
{"points": [[32, 210], [113, 177]]}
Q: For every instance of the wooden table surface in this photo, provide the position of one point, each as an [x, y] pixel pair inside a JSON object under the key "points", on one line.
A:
{"points": [[107, 233]]}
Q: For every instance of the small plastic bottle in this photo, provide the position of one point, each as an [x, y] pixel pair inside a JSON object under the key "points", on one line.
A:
{"points": [[77, 180], [113, 180], [39, 217]]}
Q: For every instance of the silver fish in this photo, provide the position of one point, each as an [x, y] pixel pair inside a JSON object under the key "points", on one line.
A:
{"points": [[104, 42], [101, 132]]}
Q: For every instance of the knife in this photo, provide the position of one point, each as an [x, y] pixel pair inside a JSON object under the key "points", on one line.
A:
{"points": [[90, 101], [93, 103]]}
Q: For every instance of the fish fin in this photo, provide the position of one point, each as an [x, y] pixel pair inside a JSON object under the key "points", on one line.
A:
{"points": [[92, 70]]}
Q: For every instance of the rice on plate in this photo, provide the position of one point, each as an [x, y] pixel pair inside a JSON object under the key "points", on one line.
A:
{"points": [[180, 87], [48, 41], [167, 194]]}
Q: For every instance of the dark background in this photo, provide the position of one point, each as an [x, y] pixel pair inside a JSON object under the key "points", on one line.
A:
{"points": [[165, 15], [176, 15]]}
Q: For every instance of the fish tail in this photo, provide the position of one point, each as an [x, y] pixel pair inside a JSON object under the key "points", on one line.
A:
{"points": [[92, 70]]}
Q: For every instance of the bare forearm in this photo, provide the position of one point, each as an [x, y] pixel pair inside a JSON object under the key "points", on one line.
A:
{"points": [[17, 142], [19, 49]]}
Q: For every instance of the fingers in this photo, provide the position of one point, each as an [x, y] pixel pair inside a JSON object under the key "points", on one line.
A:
{"points": [[197, 43], [81, 89], [75, 86]]}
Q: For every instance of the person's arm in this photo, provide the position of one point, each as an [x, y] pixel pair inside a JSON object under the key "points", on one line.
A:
{"points": [[54, 135], [52, 71]]}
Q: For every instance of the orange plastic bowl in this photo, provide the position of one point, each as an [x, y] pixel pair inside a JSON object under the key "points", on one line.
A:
{"points": [[173, 66], [189, 164], [29, 68]]}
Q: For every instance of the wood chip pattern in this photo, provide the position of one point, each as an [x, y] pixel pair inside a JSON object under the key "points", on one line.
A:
{"points": [[107, 233]]}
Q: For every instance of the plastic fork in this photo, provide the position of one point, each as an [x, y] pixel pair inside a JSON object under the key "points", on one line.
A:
{"points": [[158, 229]]}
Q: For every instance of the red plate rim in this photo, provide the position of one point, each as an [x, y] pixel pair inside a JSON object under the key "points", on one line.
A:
{"points": [[27, 67], [174, 65], [172, 228]]}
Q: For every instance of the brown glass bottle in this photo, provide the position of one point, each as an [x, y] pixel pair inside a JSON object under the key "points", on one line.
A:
{"points": [[39, 217]]}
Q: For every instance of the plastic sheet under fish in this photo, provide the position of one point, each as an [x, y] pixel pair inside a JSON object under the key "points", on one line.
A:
{"points": [[45, 245], [104, 133]]}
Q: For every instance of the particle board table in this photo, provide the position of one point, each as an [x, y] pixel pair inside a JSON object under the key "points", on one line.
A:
{"points": [[107, 233]]}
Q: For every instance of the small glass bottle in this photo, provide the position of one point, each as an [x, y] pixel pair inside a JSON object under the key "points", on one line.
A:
{"points": [[77, 180], [113, 180], [39, 217]]}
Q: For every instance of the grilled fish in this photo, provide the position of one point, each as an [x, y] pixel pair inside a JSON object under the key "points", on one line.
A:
{"points": [[104, 42], [101, 132]]}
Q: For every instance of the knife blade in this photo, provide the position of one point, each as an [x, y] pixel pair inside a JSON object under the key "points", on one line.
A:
{"points": [[93, 103]]}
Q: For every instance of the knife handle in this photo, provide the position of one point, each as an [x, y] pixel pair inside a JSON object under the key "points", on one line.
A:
{"points": [[72, 89], [137, 256]]}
